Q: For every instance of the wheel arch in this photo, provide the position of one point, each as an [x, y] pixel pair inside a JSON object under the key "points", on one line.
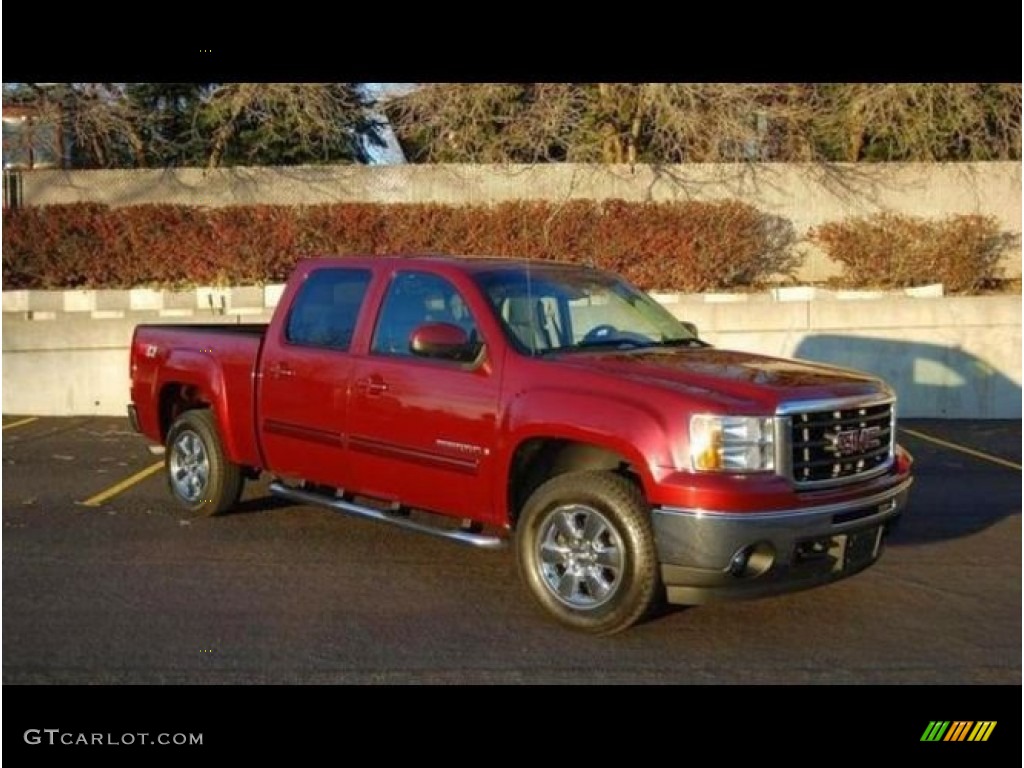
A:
{"points": [[538, 459], [174, 399]]}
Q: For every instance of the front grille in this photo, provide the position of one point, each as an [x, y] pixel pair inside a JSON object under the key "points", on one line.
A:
{"points": [[842, 444]]}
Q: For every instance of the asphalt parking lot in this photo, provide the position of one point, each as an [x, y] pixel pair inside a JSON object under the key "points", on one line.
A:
{"points": [[106, 581]]}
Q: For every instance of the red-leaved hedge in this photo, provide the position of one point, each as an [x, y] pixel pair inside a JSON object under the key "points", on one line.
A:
{"points": [[686, 246], [890, 251]]}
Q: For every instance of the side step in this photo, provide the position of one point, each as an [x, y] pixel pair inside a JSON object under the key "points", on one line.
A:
{"points": [[340, 505]]}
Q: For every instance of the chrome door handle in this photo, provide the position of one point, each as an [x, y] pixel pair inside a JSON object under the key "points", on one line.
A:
{"points": [[281, 371], [372, 386]]}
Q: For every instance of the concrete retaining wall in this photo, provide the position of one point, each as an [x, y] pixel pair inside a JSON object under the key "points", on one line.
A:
{"points": [[66, 352], [956, 357], [806, 194]]}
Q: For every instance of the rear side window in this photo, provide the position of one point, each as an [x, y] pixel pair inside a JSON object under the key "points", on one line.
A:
{"points": [[325, 311]]}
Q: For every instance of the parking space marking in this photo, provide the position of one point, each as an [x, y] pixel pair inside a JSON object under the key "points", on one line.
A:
{"points": [[124, 485], [962, 449], [21, 422]]}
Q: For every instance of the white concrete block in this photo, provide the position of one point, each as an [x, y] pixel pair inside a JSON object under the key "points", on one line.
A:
{"points": [[247, 296], [934, 291], [725, 298], [79, 301], [859, 295], [145, 298], [665, 298], [15, 301], [272, 294], [796, 293]]}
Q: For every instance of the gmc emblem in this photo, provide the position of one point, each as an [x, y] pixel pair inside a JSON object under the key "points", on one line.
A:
{"points": [[853, 441]]}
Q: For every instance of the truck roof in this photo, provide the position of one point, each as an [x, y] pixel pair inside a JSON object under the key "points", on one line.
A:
{"points": [[465, 263]]}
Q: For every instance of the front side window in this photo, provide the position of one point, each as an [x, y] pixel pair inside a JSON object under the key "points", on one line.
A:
{"points": [[413, 300], [326, 308]]}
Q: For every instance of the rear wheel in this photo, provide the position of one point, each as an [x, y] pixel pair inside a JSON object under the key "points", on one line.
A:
{"points": [[199, 474], [586, 551]]}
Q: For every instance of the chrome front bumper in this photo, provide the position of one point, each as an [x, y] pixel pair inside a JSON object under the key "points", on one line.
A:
{"points": [[714, 555]]}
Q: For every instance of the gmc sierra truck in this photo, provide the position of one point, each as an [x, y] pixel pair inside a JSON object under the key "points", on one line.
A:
{"points": [[550, 405]]}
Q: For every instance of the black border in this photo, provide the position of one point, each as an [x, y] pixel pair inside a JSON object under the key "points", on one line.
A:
{"points": [[760, 43], [733, 722]]}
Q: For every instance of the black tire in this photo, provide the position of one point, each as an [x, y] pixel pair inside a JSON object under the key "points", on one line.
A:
{"points": [[586, 552], [199, 475]]}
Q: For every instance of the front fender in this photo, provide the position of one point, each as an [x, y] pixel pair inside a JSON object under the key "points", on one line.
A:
{"points": [[641, 434]]}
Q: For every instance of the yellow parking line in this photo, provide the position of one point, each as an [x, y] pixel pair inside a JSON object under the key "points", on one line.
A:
{"points": [[102, 496], [20, 423], [962, 449]]}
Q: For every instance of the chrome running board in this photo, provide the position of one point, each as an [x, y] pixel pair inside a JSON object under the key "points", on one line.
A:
{"points": [[358, 510]]}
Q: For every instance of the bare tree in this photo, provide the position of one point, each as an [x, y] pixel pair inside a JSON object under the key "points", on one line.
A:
{"points": [[93, 122], [584, 122], [719, 122], [707, 122], [481, 123], [920, 121]]}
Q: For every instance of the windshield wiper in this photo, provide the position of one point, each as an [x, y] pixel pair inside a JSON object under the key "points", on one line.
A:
{"points": [[612, 344], [685, 342]]}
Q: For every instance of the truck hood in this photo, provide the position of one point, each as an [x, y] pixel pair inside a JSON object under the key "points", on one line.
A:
{"points": [[729, 376]]}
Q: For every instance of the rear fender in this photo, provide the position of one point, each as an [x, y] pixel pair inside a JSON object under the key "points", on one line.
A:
{"points": [[205, 377]]}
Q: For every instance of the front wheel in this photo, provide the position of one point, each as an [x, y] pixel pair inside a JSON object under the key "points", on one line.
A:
{"points": [[586, 551], [200, 476]]}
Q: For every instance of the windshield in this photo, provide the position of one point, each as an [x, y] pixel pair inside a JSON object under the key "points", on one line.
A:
{"points": [[560, 308]]}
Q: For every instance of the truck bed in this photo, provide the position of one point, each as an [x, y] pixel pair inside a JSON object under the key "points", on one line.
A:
{"points": [[245, 329]]}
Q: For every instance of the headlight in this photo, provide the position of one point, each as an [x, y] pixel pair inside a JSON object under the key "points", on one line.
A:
{"points": [[732, 443]]}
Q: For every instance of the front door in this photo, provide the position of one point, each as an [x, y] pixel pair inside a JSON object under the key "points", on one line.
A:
{"points": [[422, 430]]}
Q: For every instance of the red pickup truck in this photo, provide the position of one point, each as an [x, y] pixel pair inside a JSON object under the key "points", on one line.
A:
{"points": [[548, 404]]}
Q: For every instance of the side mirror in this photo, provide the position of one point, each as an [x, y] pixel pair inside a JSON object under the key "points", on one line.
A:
{"points": [[691, 327], [442, 341]]}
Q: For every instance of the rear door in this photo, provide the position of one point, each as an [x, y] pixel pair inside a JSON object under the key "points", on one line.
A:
{"points": [[305, 372]]}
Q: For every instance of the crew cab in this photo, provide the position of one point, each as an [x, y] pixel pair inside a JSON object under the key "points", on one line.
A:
{"points": [[548, 405]]}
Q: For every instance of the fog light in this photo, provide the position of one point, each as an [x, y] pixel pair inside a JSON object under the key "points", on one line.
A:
{"points": [[752, 560], [738, 564]]}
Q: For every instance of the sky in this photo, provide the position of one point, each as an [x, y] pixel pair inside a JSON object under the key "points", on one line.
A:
{"points": [[391, 153]]}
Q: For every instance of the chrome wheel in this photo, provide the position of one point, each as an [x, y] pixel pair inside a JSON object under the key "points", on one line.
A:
{"points": [[189, 466], [580, 555]]}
